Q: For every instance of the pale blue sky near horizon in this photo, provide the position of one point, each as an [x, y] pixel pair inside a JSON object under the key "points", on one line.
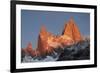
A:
{"points": [[32, 20]]}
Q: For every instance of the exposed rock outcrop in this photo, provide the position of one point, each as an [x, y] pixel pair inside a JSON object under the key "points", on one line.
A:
{"points": [[72, 30], [48, 43]]}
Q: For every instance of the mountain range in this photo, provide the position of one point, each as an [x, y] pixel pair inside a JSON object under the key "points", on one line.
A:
{"points": [[59, 46]]}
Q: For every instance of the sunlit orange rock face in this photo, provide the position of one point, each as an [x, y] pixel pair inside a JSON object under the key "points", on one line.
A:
{"points": [[72, 30], [47, 42], [43, 45]]}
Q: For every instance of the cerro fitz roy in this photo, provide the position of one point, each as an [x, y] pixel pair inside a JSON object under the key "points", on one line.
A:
{"points": [[47, 42]]}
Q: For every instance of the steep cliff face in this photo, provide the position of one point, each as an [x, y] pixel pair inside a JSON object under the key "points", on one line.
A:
{"points": [[72, 30], [47, 42], [44, 41]]}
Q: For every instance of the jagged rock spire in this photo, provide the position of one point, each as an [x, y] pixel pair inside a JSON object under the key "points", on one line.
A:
{"points": [[43, 30], [42, 40], [72, 30], [47, 42], [29, 45]]}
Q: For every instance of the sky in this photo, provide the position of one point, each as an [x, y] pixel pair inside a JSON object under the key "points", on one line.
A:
{"points": [[32, 20]]}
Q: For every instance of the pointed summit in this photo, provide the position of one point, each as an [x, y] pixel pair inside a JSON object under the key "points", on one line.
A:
{"points": [[42, 45], [72, 30], [47, 42], [44, 41], [43, 30], [29, 47], [71, 20]]}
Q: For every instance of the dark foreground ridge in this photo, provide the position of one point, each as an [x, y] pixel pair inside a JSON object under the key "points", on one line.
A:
{"points": [[78, 51]]}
